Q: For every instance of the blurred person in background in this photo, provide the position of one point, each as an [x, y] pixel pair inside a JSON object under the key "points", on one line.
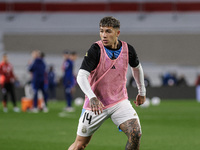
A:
{"points": [[51, 83], [181, 81], [7, 80], [197, 84], [169, 79], [102, 78], [68, 80], [39, 79]]}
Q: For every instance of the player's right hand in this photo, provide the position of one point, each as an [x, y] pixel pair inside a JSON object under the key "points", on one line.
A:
{"points": [[139, 100], [96, 105]]}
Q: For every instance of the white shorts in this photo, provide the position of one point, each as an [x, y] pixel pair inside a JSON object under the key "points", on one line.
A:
{"points": [[119, 113]]}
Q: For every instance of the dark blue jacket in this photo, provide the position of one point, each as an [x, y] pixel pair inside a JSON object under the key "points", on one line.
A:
{"points": [[38, 68], [68, 78]]}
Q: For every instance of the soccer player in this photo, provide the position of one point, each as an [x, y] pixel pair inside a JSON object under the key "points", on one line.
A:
{"points": [[7, 79], [39, 79], [68, 80], [102, 77]]}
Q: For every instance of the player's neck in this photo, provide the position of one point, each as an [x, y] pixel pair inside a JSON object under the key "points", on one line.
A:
{"points": [[114, 46]]}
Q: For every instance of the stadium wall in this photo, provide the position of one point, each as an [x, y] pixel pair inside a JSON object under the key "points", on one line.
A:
{"points": [[182, 49], [161, 92]]}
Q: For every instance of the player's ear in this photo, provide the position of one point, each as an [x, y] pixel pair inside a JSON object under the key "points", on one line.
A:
{"points": [[118, 33]]}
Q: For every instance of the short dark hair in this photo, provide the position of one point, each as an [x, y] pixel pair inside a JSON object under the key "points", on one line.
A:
{"points": [[109, 21]]}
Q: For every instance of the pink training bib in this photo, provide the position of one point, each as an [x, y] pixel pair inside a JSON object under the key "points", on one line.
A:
{"points": [[108, 80]]}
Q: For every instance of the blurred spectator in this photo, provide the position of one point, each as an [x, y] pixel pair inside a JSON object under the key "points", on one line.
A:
{"points": [[39, 78], [181, 81], [7, 79], [68, 79], [51, 83], [197, 83], [169, 79]]}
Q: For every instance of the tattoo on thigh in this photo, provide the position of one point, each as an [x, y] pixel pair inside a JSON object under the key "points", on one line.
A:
{"points": [[132, 129]]}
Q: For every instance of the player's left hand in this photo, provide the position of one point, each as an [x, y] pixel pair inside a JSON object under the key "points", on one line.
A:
{"points": [[140, 100]]}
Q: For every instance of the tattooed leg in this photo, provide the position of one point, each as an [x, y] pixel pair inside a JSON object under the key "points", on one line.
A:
{"points": [[132, 129]]}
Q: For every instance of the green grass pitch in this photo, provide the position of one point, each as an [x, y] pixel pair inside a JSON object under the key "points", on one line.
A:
{"points": [[173, 125]]}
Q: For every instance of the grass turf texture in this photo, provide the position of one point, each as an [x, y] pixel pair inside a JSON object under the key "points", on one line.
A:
{"points": [[173, 125]]}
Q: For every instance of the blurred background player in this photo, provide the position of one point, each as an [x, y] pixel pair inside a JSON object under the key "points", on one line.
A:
{"points": [[39, 79], [68, 79], [197, 83], [7, 80]]}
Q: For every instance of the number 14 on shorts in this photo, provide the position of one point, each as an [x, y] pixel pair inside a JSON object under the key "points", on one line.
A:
{"points": [[87, 117]]}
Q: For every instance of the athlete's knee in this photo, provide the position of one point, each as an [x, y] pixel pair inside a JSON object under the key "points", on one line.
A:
{"points": [[135, 133]]}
